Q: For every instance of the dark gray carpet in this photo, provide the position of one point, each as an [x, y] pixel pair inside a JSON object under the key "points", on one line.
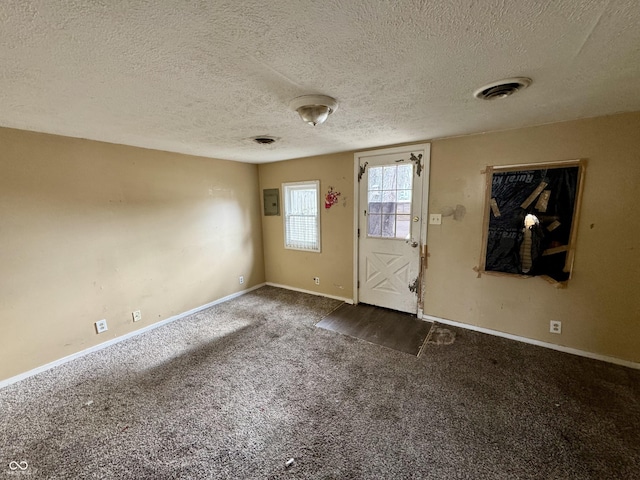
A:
{"points": [[235, 391], [400, 331]]}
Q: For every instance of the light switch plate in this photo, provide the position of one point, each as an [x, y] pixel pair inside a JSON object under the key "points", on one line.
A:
{"points": [[435, 219]]}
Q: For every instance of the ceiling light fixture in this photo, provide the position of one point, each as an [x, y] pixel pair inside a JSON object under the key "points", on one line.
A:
{"points": [[314, 109], [502, 88]]}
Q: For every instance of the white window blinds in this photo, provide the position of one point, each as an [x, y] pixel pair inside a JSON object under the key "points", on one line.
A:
{"points": [[301, 215]]}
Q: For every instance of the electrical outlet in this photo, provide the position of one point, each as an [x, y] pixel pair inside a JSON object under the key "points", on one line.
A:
{"points": [[435, 219], [137, 315], [316, 280], [555, 326], [101, 326], [241, 279]]}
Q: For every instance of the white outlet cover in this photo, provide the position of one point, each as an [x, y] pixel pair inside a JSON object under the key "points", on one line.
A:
{"points": [[241, 279], [137, 316], [555, 326], [435, 219], [101, 326]]}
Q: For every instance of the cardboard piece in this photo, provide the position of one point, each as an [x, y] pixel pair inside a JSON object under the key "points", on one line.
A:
{"points": [[543, 201], [494, 207], [553, 226], [534, 195], [553, 251]]}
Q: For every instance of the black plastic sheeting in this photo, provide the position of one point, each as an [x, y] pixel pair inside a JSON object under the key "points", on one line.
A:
{"points": [[506, 232]]}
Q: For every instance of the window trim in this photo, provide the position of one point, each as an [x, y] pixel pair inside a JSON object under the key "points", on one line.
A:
{"points": [[315, 184]]}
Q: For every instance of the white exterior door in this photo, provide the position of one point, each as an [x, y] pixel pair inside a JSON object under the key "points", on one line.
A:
{"points": [[390, 226]]}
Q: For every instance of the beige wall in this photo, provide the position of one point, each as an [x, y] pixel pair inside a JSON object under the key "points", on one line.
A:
{"points": [[91, 230], [334, 265], [600, 308]]}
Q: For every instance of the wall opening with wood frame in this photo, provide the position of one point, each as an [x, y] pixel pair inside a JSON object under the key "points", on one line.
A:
{"points": [[530, 219]]}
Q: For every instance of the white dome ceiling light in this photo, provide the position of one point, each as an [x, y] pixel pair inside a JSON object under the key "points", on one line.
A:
{"points": [[502, 88], [314, 109]]}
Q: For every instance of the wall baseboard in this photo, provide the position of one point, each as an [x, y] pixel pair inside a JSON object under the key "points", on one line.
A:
{"points": [[552, 346], [95, 348], [310, 292]]}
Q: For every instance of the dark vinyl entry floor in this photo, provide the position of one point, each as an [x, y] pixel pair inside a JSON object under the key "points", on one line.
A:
{"points": [[391, 329]]}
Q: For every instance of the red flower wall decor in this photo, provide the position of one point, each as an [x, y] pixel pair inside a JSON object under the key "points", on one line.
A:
{"points": [[331, 198]]}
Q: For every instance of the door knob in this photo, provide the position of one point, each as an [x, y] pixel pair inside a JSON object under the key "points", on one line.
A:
{"points": [[415, 219]]}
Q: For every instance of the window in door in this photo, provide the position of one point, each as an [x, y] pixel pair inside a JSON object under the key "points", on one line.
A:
{"points": [[302, 215], [389, 201]]}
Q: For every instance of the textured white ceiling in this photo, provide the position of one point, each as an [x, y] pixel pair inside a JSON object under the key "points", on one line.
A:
{"points": [[203, 77]]}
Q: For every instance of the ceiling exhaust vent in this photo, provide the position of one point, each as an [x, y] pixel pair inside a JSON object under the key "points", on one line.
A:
{"points": [[264, 140], [502, 88]]}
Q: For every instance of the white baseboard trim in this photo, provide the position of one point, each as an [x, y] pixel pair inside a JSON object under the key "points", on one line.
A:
{"points": [[552, 346], [100, 346], [318, 294]]}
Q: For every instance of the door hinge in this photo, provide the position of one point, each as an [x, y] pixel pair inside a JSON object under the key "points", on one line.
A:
{"points": [[358, 283], [358, 233]]}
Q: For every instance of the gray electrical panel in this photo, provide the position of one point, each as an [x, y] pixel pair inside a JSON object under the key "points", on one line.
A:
{"points": [[271, 201]]}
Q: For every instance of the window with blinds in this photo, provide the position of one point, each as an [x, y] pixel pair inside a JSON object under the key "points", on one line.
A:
{"points": [[301, 215]]}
